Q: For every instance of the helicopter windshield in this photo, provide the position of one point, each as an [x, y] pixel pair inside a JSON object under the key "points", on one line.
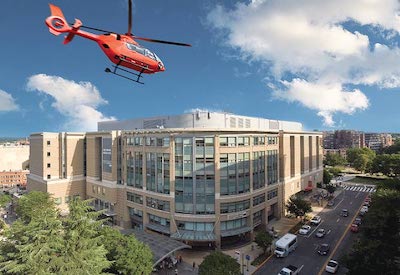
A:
{"points": [[143, 51]]}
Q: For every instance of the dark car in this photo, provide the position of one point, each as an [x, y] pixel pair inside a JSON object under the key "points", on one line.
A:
{"points": [[331, 203], [344, 213], [357, 221], [323, 249]]}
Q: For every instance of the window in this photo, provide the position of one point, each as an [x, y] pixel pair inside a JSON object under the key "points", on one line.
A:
{"points": [[48, 154], [48, 165], [94, 189], [258, 199], [134, 197], [48, 142], [157, 204], [48, 177], [272, 194], [231, 207], [103, 191]]}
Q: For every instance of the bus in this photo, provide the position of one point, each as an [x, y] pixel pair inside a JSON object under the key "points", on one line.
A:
{"points": [[285, 245]]}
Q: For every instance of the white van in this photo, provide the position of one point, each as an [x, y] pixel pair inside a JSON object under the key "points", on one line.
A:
{"points": [[285, 245]]}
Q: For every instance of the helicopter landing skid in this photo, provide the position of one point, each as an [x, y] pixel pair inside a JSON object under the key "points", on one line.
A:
{"points": [[138, 76]]}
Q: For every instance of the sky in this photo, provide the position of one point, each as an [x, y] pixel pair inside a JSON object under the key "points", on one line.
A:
{"points": [[327, 64]]}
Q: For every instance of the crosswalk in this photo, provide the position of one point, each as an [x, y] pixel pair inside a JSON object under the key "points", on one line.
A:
{"points": [[359, 188]]}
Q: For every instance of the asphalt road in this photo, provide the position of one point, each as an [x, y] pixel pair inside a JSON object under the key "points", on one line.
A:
{"points": [[305, 256]]}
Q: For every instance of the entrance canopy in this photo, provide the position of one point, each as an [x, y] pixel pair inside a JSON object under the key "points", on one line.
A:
{"points": [[160, 245]]}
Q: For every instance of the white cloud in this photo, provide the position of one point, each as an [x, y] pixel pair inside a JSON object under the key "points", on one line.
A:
{"points": [[78, 102], [308, 39], [325, 98], [7, 102]]}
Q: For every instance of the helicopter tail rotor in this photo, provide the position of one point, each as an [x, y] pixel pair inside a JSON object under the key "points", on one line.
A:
{"points": [[56, 22]]}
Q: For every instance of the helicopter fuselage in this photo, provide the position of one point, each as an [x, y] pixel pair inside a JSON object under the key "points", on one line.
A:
{"points": [[121, 49]]}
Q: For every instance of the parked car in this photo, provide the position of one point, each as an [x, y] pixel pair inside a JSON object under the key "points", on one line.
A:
{"points": [[332, 266], [354, 228], [320, 233], [323, 249], [366, 203], [357, 221], [331, 203], [344, 213], [364, 208], [305, 229], [315, 220], [289, 270]]}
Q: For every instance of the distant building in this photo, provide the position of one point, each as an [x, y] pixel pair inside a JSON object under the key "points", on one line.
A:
{"points": [[13, 178], [14, 157], [377, 141], [203, 178]]}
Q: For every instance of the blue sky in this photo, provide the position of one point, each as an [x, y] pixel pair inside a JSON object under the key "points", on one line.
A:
{"points": [[309, 61]]}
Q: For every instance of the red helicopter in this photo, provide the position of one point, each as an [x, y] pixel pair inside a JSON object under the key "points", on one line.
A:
{"points": [[121, 49]]}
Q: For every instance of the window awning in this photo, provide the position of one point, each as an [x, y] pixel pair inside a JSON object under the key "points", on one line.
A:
{"points": [[236, 231], [189, 235], [158, 228]]}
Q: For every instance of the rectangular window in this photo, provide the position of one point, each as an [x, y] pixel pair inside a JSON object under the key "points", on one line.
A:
{"points": [[106, 155], [272, 194], [258, 199], [134, 197], [292, 157], [48, 154], [158, 204], [48, 142], [48, 165], [48, 177], [231, 207]]}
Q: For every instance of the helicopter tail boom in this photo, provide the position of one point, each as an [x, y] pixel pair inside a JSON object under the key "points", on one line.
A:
{"points": [[58, 24]]}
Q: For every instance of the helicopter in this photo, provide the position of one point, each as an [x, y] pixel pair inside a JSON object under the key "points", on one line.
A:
{"points": [[122, 49]]}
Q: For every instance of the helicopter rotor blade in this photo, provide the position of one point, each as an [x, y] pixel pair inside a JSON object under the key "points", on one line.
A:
{"points": [[94, 29], [129, 18], [162, 41]]}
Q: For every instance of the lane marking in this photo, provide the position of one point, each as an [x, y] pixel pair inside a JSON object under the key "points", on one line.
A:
{"points": [[301, 267], [338, 220], [329, 231], [339, 242]]}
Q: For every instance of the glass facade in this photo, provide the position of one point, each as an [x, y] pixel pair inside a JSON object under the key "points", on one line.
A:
{"points": [[231, 207], [157, 204], [272, 194], [106, 155], [258, 199], [157, 172], [272, 166], [134, 173], [195, 226], [194, 175], [234, 173], [238, 223], [134, 197], [258, 170]]}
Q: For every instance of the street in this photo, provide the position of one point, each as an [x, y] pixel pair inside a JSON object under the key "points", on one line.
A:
{"points": [[335, 225]]}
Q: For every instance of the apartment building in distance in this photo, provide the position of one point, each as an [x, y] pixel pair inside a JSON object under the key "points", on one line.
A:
{"points": [[205, 178]]}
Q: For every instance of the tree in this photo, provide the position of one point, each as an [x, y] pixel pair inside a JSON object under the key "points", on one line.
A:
{"points": [[330, 188], [34, 204], [218, 263], [360, 158], [263, 240], [298, 206], [4, 199], [40, 242], [127, 254], [81, 250], [334, 160], [327, 177], [32, 242], [377, 250]]}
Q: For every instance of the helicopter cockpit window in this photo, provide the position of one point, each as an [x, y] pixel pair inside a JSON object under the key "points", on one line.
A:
{"points": [[135, 48]]}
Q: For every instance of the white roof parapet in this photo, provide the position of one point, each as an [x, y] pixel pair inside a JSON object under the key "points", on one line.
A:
{"points": [[202, 120]]}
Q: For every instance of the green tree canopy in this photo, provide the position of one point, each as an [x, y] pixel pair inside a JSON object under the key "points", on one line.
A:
{"points": [[218, 263], [129, 256], [263, 240], [34, 204], [361, 158], [4, 199], [327, 177], [298, 206], [377, 251], [334, 159], [40, 242]]}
